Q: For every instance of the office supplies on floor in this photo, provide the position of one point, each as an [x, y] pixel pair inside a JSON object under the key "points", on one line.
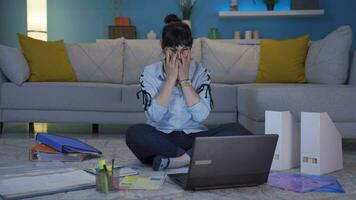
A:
{"points": [[43, 148], [304, 183], [28, 180], [287, 154], [107, 179], [142, 182], [70, 157], [335, 187], [66, 144], [233, 161], [321, 144], [123, 171]]}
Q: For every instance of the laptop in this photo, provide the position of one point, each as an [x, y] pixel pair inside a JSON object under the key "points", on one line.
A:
{"points": [[227, 162]]}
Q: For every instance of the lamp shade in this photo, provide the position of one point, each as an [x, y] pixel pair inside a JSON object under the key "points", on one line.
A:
{"points": [[37, 19]]}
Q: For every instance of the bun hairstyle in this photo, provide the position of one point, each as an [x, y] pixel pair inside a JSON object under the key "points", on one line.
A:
{"points": [[171, 18], [176, 33]]}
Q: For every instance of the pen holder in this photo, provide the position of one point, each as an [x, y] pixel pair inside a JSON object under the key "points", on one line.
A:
{"points": [[107, 181]]}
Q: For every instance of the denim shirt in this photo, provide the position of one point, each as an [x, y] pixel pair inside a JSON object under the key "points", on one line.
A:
{"points": [[177, 116]]}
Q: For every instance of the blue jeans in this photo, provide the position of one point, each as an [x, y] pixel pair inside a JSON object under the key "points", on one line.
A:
{"points": [[146, 142]]}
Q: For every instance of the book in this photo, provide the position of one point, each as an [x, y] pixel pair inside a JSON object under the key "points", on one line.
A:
{"points": [[43, 148], [70, 157], [66, 144]]}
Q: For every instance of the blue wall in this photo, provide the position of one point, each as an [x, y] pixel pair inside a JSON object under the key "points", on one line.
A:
{"points": [[87, 20], [12, 20]]}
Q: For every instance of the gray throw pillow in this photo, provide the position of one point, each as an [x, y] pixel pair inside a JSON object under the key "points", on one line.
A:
{"points": [[230, 63], [14, 65], [328, 59], [98, 62]]}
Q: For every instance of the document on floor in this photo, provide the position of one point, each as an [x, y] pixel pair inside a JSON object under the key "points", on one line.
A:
{"points": [[37, 179], [142, 182]]}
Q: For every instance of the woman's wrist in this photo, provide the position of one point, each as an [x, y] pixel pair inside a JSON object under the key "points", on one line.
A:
{"points": [[185, 83], [171, 82]]}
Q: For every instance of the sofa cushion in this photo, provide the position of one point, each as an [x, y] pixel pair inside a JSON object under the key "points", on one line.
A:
{"points": [[138, 54], [328, 59], [338, 101], [48, 61], [224, 97], [14, 65], [141, 53], [62, 96], [283, 61], [98, 62], [129, 98], [230, 63]]}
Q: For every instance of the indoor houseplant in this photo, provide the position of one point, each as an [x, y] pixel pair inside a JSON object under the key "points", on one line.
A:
{"points": [[117, 12], [187, 7], [270, 4]]}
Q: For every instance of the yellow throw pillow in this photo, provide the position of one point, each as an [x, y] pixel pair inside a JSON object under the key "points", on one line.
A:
{"points": [[283, 61], [48, 61]]}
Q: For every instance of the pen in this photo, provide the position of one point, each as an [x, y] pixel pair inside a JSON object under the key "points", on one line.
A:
{"points": [[105, 168]]}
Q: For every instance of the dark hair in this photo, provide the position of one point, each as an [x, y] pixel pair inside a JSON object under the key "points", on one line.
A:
{"points": [[176, 33]]}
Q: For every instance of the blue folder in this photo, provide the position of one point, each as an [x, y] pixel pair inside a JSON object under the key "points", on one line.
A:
{"points": [[66, 144]]}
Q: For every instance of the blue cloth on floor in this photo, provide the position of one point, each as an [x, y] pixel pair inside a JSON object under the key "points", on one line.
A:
{"points": [[335, 187], [302, 183]]}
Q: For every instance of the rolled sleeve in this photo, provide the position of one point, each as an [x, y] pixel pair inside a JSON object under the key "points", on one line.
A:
{"points": [[199, 111], [156, 111]]}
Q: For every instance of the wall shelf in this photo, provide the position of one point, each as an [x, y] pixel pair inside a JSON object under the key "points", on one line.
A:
{"points": [[287, 13]]}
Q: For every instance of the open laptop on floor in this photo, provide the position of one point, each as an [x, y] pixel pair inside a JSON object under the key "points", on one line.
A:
{"points": [[225, 162]]}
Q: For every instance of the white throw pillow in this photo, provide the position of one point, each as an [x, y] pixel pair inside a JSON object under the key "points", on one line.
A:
{"points": [[328, 59], [229, 62], [14, 65], [141, 53], [98, 62]]}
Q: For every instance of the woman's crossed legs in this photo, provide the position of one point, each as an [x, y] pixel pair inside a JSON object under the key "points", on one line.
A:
{"points": [[152, 146]]}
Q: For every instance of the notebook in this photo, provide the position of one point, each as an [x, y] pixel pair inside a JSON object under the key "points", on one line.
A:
{"points": [[43, 148], [28, 180], [66, 144]]}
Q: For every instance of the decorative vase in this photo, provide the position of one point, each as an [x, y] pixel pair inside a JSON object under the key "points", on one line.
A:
{"points": [[151, 35], [270, 6], [122, 21], [188, 22]]}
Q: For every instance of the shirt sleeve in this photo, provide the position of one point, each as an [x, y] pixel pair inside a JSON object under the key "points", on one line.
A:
{"points": [[201, 110], [149, 89]]}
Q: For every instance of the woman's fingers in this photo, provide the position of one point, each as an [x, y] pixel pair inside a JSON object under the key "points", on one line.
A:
{"points": [[168, 57]]}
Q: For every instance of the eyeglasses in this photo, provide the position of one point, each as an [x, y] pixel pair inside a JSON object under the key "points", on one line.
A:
{"points": [[183, 50]]}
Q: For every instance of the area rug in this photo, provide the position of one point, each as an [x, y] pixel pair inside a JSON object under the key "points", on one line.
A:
{"points": [[16, 149]]}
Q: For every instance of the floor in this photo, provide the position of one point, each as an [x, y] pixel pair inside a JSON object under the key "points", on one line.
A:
{"points": [[14, 145]]}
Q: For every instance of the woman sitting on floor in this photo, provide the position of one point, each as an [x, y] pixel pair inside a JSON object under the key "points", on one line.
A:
{"points": [[177, 99]]}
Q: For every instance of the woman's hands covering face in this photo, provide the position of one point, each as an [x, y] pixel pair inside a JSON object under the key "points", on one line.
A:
{"points": [[171, 66], [184, 65], [177, 63]]}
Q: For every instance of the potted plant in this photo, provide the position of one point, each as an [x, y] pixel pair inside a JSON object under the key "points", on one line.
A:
{"points": [[270, 4], [187, 7], [119, 20]]}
